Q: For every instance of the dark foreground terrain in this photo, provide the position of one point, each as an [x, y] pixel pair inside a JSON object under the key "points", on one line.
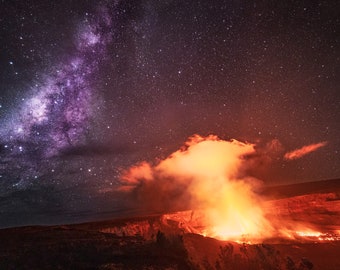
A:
{"points": [[165, 242]]}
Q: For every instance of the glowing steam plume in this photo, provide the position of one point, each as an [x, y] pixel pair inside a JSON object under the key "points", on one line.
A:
{"points": [[298, 153], [206, 175]]}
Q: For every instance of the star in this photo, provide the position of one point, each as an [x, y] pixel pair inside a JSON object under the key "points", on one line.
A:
{"points": [[88, 85]]}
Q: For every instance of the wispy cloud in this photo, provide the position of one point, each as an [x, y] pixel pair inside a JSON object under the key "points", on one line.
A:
{"points": [[298, 153]]}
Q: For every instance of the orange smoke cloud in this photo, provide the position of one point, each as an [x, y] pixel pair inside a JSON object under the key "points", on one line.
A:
{"points": [[208, 175], [298, 153]]}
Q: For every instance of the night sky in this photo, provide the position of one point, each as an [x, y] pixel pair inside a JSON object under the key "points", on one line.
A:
{"points": [[90, 88]]}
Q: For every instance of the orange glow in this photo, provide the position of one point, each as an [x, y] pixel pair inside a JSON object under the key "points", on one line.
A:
{"points": [[318, 236], [298, 153], [308, 233], [210, 172], [207, 177]]}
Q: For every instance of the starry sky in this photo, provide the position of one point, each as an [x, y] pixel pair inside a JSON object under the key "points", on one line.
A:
{"points": [[89, 88]]}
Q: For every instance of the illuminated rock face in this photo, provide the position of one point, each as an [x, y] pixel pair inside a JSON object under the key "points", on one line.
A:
{"points": [[288, 219]]}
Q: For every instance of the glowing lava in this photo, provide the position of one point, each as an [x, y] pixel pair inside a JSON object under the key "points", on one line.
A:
{"points": [[315, 236]]}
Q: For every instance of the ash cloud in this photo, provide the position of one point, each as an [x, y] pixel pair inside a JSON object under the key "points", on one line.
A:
{"points": [[265, 155]]}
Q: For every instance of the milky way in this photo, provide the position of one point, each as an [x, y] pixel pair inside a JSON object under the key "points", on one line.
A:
{"points": [[57, 110], [89, 89]]}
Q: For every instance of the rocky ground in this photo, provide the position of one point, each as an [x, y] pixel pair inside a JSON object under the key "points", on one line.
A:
{"points": [[166, 242]]}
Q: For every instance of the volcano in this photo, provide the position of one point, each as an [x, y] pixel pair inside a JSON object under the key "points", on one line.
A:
{"points": [[309, 215]]}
